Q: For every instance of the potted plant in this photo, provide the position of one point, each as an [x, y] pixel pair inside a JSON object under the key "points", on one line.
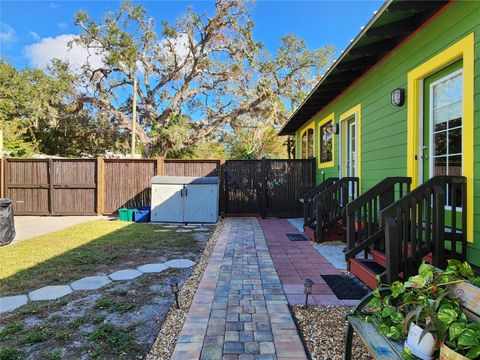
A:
{"points": [[419, 310], [463, 339]]}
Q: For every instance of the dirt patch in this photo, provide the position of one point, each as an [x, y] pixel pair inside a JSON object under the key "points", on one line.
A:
{"points": [[120, 320]]}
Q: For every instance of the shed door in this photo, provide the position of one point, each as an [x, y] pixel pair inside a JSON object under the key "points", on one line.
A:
{"points": [[167, 203], [201, 202]]}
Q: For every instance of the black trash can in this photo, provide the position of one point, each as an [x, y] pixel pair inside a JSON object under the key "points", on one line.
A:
{"points": [[7, 226]]}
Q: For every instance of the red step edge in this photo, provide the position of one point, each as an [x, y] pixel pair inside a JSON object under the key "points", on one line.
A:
{"points": [[363, 273], [309, 232], [380, 258]]}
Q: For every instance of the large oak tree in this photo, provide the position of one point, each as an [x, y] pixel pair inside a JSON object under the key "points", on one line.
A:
{"points": [[200, 74]]}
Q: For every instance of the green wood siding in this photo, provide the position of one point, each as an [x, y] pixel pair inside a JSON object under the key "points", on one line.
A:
{"points": [[384, 126]]}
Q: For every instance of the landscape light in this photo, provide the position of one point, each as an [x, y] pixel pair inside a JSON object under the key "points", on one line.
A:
{"points": [[307, 289]]}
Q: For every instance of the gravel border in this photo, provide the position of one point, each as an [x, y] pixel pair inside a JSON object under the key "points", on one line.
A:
{"points": [[323, 330], [163, 347]]}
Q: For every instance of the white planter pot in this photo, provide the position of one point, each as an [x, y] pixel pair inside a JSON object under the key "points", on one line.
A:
{"points": [[423, 349]]}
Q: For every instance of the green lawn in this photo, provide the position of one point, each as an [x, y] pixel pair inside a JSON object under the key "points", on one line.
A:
{"points": [[85, 249]]}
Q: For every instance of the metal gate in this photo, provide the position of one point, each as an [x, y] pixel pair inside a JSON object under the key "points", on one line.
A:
{"points": [[52, 186], [266, 187]]}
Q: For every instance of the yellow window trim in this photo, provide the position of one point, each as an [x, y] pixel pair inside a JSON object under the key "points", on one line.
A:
{"points": [[463, 49], [357, 112], [322, 122], [303, 130]]}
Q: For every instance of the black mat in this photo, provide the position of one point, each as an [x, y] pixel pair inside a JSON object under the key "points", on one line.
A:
{"points": [[297, 237], [346, 287]]}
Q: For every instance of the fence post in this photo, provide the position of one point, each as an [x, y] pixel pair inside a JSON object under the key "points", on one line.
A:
{"points": [[221, 175], [50, 186], [2, 177], [100, 185], [161, 166], [264, 187]]}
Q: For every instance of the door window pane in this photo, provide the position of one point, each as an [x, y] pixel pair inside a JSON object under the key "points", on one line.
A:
{"points": [[326, 142], [447, 125]]}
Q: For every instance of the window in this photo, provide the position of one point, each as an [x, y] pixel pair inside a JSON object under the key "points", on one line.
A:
{"points": [[326, 142], [307, 142], [447, 125], [304, 145]]}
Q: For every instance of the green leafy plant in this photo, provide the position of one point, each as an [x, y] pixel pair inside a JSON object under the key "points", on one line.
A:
{"points": [[423, 299]]}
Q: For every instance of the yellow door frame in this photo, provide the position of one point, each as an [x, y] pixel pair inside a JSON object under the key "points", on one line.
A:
{"points": [[357, 112], [322, 122], [463, 49]]}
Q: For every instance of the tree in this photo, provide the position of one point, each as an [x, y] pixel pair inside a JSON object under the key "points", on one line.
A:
{"points": [[38, 114], [198, 75]]}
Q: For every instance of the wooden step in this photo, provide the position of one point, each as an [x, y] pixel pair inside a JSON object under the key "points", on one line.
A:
{"points": [[309, 232], [380, 258], [366, 270]]}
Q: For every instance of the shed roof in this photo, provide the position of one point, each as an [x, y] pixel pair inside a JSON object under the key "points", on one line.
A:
{"points": [[395, 21]]}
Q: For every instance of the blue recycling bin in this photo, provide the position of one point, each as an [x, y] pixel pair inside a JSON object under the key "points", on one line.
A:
{"points": [[142, 215]]}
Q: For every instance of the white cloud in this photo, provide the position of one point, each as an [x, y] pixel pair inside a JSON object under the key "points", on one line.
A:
{"points": [[34, 35], [62, 25], [7, 33], [42, 52], [54, 5]]}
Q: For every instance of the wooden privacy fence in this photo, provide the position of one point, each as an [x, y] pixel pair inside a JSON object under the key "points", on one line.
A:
{"points": [[267, 187], [102, 186], [88, 186]]}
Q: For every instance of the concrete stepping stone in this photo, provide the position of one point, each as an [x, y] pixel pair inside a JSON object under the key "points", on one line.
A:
{"points": [[180, 263], [127, 274], [9, 303], [171, 226], [50, 292], [163, 230], [201, 229], [90, 283], [190, 226], [184, 230], [153, 268]]}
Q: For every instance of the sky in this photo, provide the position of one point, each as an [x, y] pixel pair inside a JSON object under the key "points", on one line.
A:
{"points": [[33, 32]]}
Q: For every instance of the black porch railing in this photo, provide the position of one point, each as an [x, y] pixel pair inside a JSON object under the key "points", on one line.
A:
{"points": [[416, 225], [330, 205], [309, 204], [363, 214]]}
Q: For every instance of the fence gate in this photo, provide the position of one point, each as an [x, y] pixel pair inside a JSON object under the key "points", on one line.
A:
{"points": [[51, 186], [266, 187]]}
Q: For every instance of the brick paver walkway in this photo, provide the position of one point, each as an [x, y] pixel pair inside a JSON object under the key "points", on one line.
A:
{"points": [[296, 261], [240, 310]]}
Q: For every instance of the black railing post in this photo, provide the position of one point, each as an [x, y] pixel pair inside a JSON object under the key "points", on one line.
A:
{"points": [[392, 253], [439, 226]]}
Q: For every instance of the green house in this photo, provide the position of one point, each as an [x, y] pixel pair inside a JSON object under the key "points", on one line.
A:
{"points": [[403, 100]]}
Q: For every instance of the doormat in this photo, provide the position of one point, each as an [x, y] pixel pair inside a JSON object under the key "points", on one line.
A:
{"points": [[346, 287], [297, 237]]}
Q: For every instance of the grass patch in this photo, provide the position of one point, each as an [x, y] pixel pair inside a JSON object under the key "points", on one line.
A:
{"points": [[10, 330], [76, 323], [36, 335], [72, 253], [7, 353], [114, 306], [115, 339]]}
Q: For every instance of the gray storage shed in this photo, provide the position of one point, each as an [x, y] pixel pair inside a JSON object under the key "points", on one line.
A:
{"points": [[185, 199]]}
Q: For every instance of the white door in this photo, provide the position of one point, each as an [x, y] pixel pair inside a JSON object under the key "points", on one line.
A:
{"points": [[167, 203], [201, 203]]}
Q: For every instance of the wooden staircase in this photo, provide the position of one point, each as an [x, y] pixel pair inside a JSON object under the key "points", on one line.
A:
{"points": [[326, 219], [309, 209], [397, 229]]}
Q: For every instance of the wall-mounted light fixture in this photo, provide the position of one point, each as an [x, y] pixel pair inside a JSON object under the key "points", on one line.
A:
{"points": [[335, 129], [398, 97]]}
